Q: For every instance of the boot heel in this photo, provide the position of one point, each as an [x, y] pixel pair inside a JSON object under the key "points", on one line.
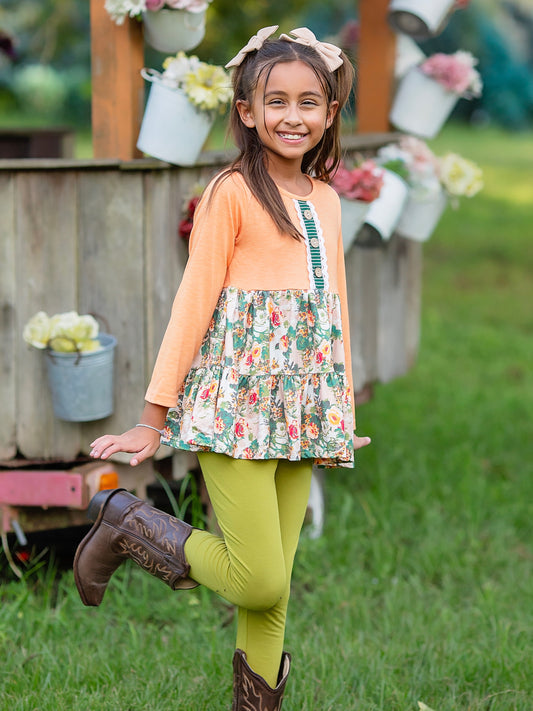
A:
{"points": [[98, 502]]}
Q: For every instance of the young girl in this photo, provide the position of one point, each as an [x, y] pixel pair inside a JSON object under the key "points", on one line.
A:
{"points": [[254, 372]]}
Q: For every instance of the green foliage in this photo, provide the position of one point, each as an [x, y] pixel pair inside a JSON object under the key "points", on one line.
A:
{"points": [[50, 74]]}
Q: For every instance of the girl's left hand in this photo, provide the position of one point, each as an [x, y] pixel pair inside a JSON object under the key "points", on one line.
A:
{"points": [[359, 442]]}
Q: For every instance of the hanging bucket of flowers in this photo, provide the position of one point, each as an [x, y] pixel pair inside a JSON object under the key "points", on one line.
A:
{"points": [[79, 364], [181, 108], [384, 212], [357, 188], [426, 200], [172, 30], [419, 18], [428, 93], [169, 25]]}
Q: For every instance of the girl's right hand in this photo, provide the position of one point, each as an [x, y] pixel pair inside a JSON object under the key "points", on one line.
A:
{"points": [[140, 441]]}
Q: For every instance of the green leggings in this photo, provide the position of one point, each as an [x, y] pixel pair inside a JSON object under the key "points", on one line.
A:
{"points": [[260, 508]]}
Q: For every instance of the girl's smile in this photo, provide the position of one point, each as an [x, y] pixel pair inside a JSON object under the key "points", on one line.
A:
{"points": [[289, 112]]}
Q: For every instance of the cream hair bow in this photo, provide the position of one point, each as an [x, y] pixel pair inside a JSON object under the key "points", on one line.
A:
{"points": [[329, 52], [255, 42]]}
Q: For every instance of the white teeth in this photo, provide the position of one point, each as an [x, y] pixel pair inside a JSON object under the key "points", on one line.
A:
{"points": [[291, 136]]}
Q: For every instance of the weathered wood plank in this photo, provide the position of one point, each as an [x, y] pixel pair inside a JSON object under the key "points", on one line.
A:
{"points": [[413, 304], [362, 268], [46, 277], [111, 283], [392, 358], [8, 321], [166, 253]]}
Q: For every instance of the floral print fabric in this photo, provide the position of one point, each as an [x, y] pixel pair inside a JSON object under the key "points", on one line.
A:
{"points": [[269, 381]]}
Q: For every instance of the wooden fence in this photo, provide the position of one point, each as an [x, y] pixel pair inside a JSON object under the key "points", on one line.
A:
{"points": [[101, 237]]}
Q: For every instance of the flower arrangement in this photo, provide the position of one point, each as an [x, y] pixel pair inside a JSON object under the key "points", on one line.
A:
{"points": [[66, 332], [456, 72], [413, 161], [120, 9], [207, 86], [363, 182], [459, 176], [427, 173]]}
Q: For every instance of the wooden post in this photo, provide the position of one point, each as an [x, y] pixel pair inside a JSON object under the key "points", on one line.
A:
{"points": [[377, 53], [117, 56]]}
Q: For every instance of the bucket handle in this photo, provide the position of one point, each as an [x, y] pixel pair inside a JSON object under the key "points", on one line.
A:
{"points": [[151, 75], [50, 351]]}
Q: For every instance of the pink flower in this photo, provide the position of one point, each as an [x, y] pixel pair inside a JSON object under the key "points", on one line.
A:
{"points": [[275, 318], [239, 428], [204, 394], [294, 431], [154, 5], [364, 182], [455, 72], [252, 399]]}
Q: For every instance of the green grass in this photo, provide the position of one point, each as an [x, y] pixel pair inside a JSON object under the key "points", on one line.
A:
{"points": [[421, 587]]}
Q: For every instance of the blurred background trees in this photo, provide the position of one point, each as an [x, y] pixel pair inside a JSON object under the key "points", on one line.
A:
{"points": [[45, 52]]}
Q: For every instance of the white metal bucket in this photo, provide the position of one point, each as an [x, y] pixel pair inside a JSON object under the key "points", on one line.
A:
{"points": [[353, 213], [385, 211], [420, 217], [419, 18], [421, 105], [82, 383], [170, 30], [172, 129], [408, 54]]}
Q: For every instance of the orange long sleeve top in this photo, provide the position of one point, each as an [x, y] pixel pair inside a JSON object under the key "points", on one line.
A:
{"points": [[234, 242]]}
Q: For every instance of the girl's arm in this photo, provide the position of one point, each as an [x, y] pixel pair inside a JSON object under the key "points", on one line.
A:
{"points": [[143, 442]]}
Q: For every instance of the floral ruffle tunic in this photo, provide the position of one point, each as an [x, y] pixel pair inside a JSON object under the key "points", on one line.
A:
{"points": [[253, 363]]}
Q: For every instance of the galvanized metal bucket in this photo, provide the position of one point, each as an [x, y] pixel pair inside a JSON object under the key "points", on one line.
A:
{"points": [[82, 383]]}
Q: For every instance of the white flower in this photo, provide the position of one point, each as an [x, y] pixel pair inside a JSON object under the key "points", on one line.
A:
{"points": [[176, 69], [120, 9], [460, 176]]}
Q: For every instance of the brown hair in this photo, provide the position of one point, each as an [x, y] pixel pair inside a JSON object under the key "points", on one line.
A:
{"points": [[321, 161]]}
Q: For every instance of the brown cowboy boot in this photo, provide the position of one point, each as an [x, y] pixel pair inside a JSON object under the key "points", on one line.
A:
{"points": [[126, 527], [251, 692]]}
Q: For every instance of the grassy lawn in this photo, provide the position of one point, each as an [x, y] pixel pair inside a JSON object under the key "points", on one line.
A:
{"points": [[421, 587]]}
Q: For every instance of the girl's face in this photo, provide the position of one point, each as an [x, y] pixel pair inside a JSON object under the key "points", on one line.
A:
{"points": [[289, 111]]}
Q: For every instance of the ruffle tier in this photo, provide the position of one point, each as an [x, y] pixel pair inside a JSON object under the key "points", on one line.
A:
{"points": [[269, 381]]}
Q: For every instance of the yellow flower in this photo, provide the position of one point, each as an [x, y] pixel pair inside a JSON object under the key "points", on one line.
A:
{"points": [[208, 87], [334, 415], [460, 176], [66, 332]]}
